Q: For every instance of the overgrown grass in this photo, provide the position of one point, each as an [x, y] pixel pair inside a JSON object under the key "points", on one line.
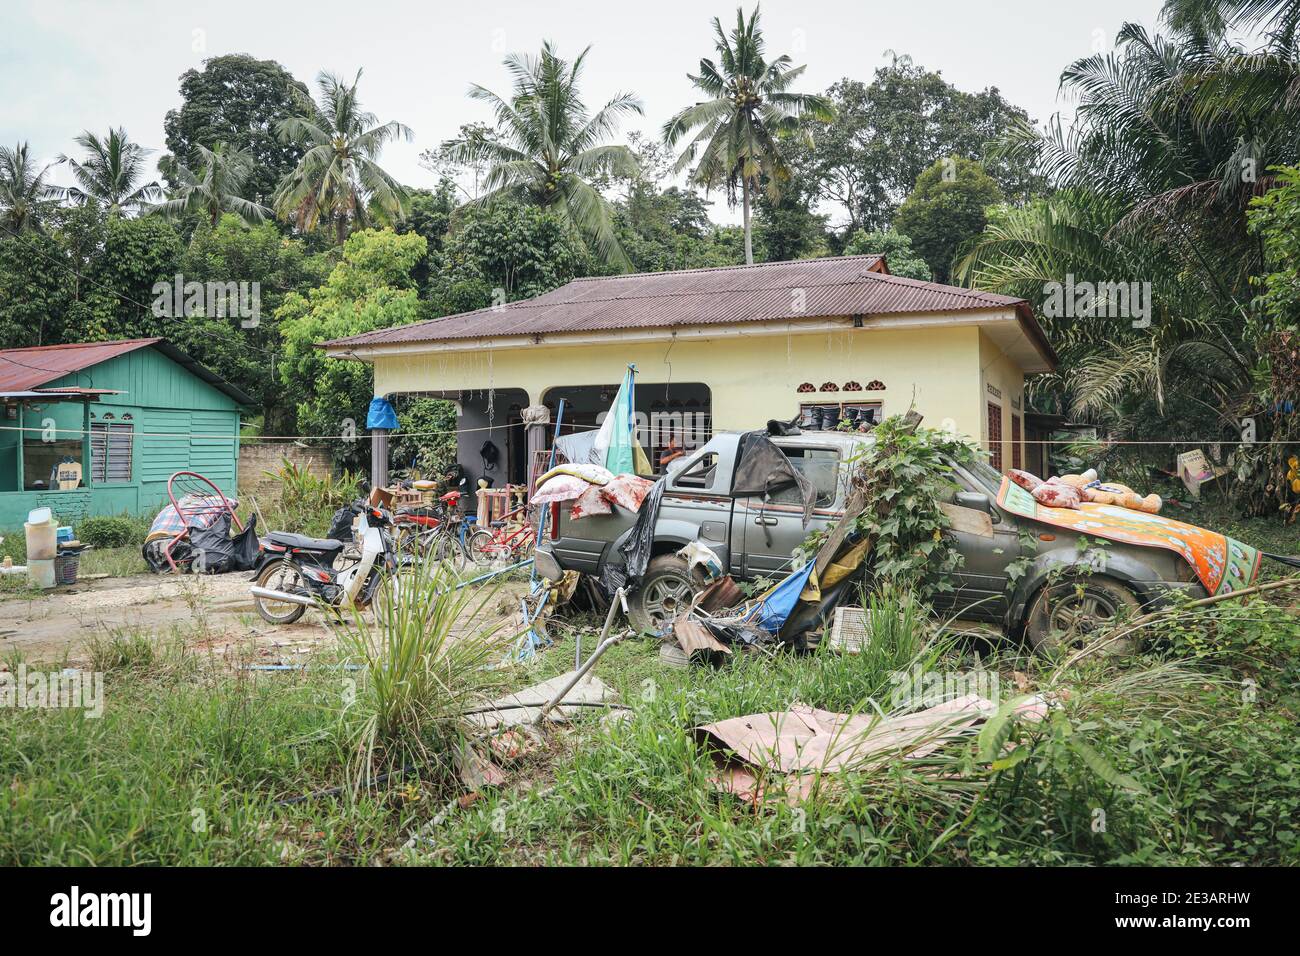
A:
{"points": [[185, 766], [1187, 755], [422, 656]]}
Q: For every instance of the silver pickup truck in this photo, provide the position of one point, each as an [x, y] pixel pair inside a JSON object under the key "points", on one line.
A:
{"points": [[755, 538]]}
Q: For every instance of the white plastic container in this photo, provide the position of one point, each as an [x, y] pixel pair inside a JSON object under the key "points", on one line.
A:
{"points": [[40, 572], [42, 541]]}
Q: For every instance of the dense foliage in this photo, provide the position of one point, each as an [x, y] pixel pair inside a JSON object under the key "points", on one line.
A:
{"points": [[1173, 193], [237, 100], [1174, 138], [371, 288]]}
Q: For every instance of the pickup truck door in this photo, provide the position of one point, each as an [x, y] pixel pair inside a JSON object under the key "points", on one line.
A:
{"points": [[980, 584], [697, 499], [774, 528]]}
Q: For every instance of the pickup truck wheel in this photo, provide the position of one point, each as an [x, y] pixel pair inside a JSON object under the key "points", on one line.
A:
{"points": [[666, 590], [1072, 614]]}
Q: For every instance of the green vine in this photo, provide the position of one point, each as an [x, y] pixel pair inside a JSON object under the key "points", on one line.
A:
{"points": [[904, 473]]}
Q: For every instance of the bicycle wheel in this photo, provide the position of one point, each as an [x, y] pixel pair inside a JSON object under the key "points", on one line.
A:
{"points": [[481, 547]]}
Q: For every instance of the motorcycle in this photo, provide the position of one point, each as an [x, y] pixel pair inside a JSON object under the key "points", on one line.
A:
{"points": [[296, 572]]}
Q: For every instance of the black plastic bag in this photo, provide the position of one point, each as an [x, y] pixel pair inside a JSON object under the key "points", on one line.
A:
{"points": [[636, 546], [216, 552], [246, 548], [762, 468], [341, 524], [155, 557]]}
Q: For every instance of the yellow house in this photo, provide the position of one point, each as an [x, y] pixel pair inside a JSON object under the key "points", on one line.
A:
{"points": [[720, 350]]}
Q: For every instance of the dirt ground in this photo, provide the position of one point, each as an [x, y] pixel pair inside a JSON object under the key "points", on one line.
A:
{"points": [[213, 611]]}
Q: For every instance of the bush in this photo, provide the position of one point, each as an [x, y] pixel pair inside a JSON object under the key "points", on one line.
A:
{"points": [[306, 501], [106, 532]]}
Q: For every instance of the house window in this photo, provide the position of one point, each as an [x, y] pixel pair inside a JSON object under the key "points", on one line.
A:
{"points": [[995, 435], [110, 452], [1015, 440]]}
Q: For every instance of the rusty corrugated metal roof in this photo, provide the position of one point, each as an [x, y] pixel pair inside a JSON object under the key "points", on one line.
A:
{"points": [[802, 289], [29, 368]]}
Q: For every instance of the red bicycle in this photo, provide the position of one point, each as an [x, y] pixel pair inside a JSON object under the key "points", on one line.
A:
{"points": [[502, 541]]}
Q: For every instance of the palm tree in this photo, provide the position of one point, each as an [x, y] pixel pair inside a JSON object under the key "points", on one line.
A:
{"points": [[215, 188], [22, 188], [1173, 136], [1111, 372], [548, 148], [750, 107], [339, 178], [109, 173], [1215, 17]]}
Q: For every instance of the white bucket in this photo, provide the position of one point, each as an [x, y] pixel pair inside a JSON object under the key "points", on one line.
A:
{"points": [[42, 541], [40, 573]]}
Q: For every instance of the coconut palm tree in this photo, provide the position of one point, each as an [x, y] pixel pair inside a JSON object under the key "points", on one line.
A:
{"points": [[548, 148], [110, 171], [215, 188], [339, 179], [739, 127], [22, 188]]}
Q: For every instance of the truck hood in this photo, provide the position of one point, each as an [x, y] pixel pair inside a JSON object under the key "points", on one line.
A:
{"points": [[1221, 563]]}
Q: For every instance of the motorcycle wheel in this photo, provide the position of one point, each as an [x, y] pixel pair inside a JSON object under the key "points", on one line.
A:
{"points": [[386, 603], [280, 577]]}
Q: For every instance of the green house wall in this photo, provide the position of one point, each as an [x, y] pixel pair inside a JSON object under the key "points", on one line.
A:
{"points": [[181, 424]]}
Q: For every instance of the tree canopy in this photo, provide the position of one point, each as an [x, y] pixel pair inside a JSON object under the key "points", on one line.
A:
{"points": [[237, 100]]}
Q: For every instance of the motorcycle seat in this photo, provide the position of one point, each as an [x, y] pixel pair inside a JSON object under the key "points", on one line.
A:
{"points": [[418, 512], [290, 540]]}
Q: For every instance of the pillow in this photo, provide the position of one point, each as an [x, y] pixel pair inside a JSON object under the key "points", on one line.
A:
{"points": [[1052, 494], [1024, 479]]}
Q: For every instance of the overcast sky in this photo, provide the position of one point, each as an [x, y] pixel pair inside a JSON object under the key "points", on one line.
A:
{"points": [[68, 66]]}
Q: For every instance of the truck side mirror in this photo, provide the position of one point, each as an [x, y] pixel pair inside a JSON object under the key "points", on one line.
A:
{"points": [[976, 501]]}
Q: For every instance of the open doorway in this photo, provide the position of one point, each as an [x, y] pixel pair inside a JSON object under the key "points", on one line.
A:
{"points": [[672, 419]]}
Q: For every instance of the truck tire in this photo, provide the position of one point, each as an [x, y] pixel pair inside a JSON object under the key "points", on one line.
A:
{"points": [[1068, 615], [665, 591]]}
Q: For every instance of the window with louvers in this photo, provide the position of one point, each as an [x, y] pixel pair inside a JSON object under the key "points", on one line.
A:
{"points": [[110, 452]]}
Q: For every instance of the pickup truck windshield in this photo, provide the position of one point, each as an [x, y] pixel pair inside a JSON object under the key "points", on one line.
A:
{"points": [[986, 475]]}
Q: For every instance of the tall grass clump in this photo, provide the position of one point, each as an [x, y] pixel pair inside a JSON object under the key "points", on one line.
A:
{"points": [[308, 501], [422, 648]]}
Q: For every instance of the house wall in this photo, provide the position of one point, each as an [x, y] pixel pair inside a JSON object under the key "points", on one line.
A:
{"points": [[751, 377], [180, 423]]}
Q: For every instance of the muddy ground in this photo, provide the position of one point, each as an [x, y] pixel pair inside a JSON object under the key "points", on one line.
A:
{"points": [[214, 611]]}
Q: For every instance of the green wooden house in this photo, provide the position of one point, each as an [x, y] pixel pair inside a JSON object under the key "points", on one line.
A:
{"points": [[126, 415]]}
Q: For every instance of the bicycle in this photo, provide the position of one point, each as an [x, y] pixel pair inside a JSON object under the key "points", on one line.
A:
{"points": [[439, 533], [502, 542]]}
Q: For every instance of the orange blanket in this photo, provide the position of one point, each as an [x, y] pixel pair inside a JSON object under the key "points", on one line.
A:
{"points": [[1221, 563]]}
